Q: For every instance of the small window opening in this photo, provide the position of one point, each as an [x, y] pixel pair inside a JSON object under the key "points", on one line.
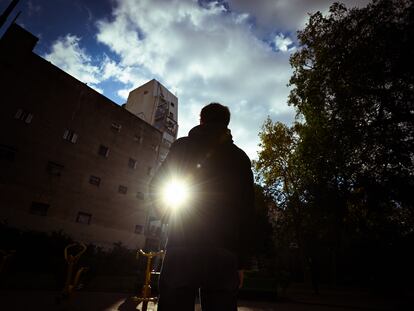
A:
{"points": [[93, 180], [23, 115], [138, 229], [70, 135], [166, 143], [103, 151], [84, 218], [39, 209], [132, 163], [122, 189], [138, 138], [54, 169]]}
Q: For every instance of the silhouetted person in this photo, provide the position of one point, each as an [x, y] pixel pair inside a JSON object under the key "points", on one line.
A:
{"points": [[208, 236]]}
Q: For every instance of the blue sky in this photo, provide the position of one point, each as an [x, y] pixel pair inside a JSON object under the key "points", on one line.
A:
{"points": [[235, 52]]}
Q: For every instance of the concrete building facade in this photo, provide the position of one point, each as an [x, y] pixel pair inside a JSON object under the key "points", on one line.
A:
{"points": [[155, 104], [70, 158]]}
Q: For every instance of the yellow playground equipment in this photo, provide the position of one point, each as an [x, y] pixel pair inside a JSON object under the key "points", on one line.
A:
{"points": [[146, 288], [72, 283]]}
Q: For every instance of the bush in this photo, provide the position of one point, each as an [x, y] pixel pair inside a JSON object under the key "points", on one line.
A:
{"points": [[39, 254]]}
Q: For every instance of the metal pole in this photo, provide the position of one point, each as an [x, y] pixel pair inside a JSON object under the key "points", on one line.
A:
{"points": [[7, 11]]}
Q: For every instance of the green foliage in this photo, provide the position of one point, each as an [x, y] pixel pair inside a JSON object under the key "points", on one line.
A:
{"points": [[344, 172], [354, 87], [277, 167]]}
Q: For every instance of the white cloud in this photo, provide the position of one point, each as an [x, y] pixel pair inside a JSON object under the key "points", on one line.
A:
{"points": [[98, 89], [129, 75], [204, 54], [285, 15], [69, 56], [283, 43], [124, 93]]}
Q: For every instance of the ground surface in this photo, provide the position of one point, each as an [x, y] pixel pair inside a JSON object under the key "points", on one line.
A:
{"points": [[296, 299]]}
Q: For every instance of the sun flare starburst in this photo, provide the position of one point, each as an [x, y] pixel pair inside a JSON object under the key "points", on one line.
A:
{"points": [[175, 193]]}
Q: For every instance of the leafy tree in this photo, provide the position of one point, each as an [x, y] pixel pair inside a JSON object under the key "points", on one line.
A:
{"points": [[354, 87], [344, 172], [276, 168]]}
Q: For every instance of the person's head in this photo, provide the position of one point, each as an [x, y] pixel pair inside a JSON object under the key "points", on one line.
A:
{"points": [[215, 113]]}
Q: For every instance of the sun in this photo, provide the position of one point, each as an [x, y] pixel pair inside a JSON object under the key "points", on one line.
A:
{"points": [[175, 193]]}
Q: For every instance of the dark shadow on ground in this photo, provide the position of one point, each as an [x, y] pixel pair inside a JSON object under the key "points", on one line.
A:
{"points": [[294, 301], [128, 305]]}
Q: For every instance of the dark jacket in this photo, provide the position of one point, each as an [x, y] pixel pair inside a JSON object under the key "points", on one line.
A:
{"points": [[219, 212]]}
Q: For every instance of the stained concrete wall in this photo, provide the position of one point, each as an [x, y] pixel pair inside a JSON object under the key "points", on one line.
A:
{"points": [[57, 102]]}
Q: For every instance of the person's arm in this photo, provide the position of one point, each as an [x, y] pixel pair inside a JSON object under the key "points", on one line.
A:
{"points": [[247, 215], [247, 212]]}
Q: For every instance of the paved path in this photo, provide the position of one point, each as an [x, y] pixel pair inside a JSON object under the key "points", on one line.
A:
{"points": [[295, 301]]}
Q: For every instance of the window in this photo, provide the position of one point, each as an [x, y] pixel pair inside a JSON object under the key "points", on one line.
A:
{"points": [[154, 147], [70, 135], [159, 118], [122, 189], [161, 157], [84, 218], [23, 116], [7, 153], [39, 209], [145, 92], [140, 195], [93, 180], [172, 105], [171, 127], [171, 115], [158, 232], [54, 169], [138, 139], [155, 231], [166, 143], [116, 127], [138, 229], [132, 163], [103, 151]]}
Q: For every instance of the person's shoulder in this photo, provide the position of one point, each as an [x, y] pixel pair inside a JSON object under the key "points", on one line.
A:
{"points": [[240, 154], [180, 143]]}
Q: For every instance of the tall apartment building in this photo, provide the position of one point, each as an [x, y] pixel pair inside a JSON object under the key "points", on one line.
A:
{"points": [[70, 158], [156, 105], [153, 103]]}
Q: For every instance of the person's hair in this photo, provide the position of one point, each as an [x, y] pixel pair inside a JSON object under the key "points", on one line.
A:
{"points": [[215, 113]]}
